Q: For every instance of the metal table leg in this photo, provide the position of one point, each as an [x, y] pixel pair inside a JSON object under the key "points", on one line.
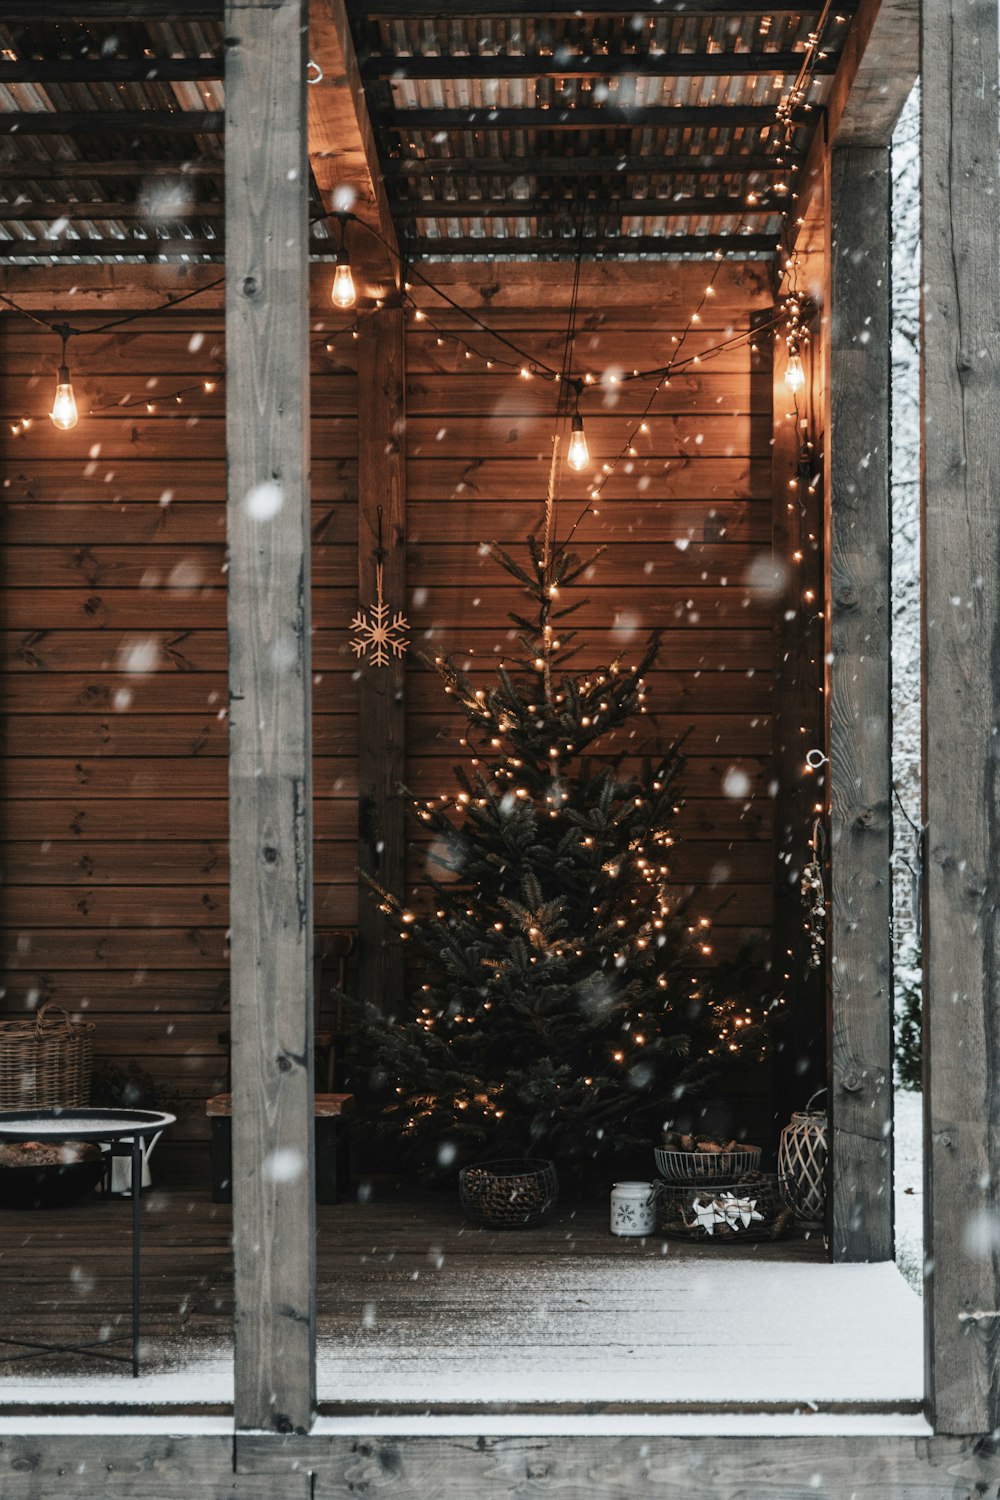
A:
{"points": [[136, 1221]]}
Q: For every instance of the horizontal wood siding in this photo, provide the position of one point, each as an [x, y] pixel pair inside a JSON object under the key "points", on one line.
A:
{"points": [[113, 817], [113, 630], [687, 524]]}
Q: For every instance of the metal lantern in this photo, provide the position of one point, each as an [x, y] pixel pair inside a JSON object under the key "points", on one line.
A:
{"points": [[802, 1164]]}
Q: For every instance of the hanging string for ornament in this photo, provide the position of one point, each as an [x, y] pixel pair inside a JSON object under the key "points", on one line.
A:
{"points": [[373, 630], [814, 897]]}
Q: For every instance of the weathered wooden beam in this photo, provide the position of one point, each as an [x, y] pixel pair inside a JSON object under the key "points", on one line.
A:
{"points": [[116, 121], [860, 603], [599, 65], [883, 83], [270, 714], [566, 248], [382, 809], [960, 309], [621, 164], [884, 64], [342, 150], [111, 70], [581, 117], [451, 1460]]}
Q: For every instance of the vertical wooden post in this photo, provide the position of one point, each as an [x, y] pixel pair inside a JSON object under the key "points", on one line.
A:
{"points": [[381, 720], [860, 708], [961, 654], [270, 749]]}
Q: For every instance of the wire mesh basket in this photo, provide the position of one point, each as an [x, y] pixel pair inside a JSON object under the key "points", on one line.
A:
{"points": [[751, 1207], [706, 1166], [511, 1194]]}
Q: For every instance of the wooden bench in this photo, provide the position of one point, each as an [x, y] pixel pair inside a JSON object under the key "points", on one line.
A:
{"points": [[332, 1146]]}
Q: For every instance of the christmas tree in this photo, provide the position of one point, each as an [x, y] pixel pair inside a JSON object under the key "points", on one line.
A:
{"points": [[562, 1004]]}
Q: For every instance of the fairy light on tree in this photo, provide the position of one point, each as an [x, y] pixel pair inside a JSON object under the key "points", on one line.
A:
{"points": [[563, 1004]]}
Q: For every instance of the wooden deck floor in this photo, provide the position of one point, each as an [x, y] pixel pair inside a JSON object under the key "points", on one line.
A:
{"points": [[418, 1310]]}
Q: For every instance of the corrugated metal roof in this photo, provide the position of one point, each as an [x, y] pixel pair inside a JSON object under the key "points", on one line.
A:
{"points": [[497, 133]]}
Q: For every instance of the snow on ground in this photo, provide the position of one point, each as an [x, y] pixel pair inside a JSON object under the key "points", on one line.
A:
{"points": [[909, 1156]]}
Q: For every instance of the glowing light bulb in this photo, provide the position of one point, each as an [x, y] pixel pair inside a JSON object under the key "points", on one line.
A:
{"points": [[343, 293], [795, 375], [578, 454], [64, 413]]}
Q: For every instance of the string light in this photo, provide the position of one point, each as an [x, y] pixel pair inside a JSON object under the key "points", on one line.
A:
{"points": [[343, 294], [64, 413]]}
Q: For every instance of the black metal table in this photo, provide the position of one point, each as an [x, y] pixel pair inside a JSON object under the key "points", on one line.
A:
{"points": [[118, 1127]]}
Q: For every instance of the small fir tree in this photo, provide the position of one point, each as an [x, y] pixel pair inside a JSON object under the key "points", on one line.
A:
{"points": [[563, 1005]]}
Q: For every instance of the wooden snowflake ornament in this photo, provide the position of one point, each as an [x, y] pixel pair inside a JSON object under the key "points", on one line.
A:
{"points": [[374, 631]]}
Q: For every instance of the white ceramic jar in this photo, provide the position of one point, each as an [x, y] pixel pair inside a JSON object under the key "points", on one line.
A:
{"points": [[633, 1208]]}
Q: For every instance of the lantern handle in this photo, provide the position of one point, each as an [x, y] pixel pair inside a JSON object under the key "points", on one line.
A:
{"points": [[812, 1097]]}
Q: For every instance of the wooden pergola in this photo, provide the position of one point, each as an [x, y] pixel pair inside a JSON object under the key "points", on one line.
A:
{"points": [[442, 163]]}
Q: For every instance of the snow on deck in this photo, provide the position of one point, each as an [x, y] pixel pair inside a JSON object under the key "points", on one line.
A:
{"points": [[601, 1330]]}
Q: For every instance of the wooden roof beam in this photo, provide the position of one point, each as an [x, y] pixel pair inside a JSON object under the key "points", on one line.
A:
{"points": [[521, 208], [412, 10], [34, 11], [117, 121], [583, 117], [607, 245], [877, 69], [885, 62], [112, 70], [342, 152], [621, 165], [27, 169], [653, 65]]}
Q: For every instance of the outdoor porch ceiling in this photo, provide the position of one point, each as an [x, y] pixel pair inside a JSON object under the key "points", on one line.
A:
{"points": [[632, 130], [506, 130]]}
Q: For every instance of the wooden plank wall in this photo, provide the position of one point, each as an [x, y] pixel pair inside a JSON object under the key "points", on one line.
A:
{"points": [[113, 617], [687, 524], [114, 818]]}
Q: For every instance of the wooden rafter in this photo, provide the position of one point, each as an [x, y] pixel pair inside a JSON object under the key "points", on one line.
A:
{"points": [[602, 65], [111, 70], [582, 117], [342, 151], [623, 244], [412, 10], [544, 205], [119, 121], [620, 164]]}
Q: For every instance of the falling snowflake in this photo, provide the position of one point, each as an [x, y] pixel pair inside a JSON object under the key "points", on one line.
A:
{"points": [[374, 631]]}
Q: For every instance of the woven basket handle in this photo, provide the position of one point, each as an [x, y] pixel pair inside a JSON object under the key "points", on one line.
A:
{"points": [[41, 1013]]}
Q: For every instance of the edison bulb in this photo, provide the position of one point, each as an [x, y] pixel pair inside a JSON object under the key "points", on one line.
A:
{"points": [[578, 454], [64, 413], [795, 375], [343, 294]]}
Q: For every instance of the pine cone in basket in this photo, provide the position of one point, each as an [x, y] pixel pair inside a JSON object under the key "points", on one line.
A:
{"points": [[501, 1197]]}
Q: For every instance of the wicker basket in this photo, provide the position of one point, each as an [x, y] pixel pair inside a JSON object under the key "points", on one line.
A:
{"points": [[46, 1063], [706, 1166], [508, 1194]]}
